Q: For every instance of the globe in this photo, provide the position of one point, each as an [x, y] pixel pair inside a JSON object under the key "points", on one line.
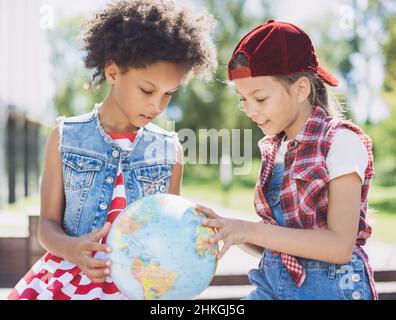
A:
{"points": [[160, 249]]}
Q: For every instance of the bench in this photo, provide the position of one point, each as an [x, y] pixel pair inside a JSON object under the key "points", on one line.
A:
{"points": [[19, 251]]}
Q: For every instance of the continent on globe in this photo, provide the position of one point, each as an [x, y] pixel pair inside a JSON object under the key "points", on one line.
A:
{"points": [[202, 236], [131, 225], [154, 280]]}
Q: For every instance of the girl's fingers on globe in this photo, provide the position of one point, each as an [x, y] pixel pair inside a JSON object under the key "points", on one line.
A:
{"points": [[214, 223], [207, 211], [96, 263], [97, 235], [95, 246], [216, 238], [97, 275], [224, 249]]}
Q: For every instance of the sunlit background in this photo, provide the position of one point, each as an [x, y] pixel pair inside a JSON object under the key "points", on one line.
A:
{"points": [[42, 76]]}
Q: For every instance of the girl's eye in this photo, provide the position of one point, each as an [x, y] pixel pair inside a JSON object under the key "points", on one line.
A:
{"points": [[242, 99], [146, 92], [261, 100]]}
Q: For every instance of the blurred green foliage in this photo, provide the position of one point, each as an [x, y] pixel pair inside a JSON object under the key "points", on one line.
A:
{"points": [[215, 105]]}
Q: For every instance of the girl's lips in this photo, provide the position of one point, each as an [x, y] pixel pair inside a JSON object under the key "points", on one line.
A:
{"points": [[147, 118]]}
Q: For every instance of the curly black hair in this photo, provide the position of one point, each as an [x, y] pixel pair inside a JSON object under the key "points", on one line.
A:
{"points": [[137, 33]]}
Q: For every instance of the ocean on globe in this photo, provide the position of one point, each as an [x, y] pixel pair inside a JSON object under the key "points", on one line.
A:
{"points": [[160, 249]]}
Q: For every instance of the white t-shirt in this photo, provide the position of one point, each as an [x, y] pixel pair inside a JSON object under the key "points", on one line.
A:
{"points": [[347, 154]]}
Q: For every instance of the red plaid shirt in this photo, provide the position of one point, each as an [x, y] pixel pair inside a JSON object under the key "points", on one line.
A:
{"points": [[304, 191]]}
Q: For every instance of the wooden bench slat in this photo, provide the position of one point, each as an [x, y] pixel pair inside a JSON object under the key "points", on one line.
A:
{"points": [[387, 296], [385, 276], [226, 280]]}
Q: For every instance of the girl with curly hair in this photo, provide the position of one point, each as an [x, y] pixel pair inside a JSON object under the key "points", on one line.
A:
{"points": [[97, 163]]}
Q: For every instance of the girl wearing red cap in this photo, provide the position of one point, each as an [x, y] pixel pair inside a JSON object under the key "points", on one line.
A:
{"points": [[314, 178]]}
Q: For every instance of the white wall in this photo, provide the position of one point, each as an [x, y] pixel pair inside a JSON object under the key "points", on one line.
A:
{"points": [[25, 79]]}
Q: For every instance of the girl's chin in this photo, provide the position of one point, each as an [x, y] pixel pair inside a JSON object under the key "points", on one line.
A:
{"points": [[265, 128]]}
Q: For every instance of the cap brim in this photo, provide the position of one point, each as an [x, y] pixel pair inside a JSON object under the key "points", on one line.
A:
{"points": [[241, 72], [327, 77]]}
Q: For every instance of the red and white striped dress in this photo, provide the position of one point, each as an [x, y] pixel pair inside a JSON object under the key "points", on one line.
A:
{"points": [[52, 278]]}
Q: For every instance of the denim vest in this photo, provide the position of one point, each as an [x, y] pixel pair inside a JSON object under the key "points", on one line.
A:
{"points": [[90, 160]]}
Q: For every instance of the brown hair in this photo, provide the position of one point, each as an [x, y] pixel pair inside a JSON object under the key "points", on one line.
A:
{"points": [[318, 96]]}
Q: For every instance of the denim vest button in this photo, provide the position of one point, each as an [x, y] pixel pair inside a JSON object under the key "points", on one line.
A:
{"points": [[355, 277], [94, 229], [103, 206], [356, 295], [115, 154], [109, 180], [80, 163]]}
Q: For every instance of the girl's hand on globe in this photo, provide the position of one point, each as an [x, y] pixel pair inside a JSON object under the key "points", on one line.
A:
{"points": [[230, 231], [81, 252]]}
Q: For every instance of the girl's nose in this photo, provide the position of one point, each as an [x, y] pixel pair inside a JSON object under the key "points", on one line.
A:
{"points": [[251, 112], [156, 106]]}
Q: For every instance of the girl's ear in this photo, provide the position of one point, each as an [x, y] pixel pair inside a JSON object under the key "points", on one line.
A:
{"points": [[303, 88], [111, 71]]}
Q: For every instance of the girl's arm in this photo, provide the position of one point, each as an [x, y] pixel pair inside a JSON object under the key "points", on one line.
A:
{"points": [[252, 249], [177, 172], [334, 244], [50, 233]]}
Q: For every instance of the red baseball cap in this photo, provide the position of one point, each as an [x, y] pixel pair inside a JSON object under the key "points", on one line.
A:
{"points": [[278, 48]]}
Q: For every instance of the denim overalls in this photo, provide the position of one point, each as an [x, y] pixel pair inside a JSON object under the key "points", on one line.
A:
{"points": [[90, 160], [324, 281]]}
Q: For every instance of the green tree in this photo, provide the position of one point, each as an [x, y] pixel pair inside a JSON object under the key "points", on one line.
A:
{"points": [[72, 94], [383, 133]]}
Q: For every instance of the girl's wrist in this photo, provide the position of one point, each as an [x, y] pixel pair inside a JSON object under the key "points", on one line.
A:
{"points": [[248, 230], [69, 246]]}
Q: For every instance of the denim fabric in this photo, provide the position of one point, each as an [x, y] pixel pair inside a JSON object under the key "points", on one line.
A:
{"points": [[90, 160], [324, 281], [273, 193]]}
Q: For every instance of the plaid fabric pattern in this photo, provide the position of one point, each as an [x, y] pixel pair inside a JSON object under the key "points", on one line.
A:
{"points": [[304, 191]]}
